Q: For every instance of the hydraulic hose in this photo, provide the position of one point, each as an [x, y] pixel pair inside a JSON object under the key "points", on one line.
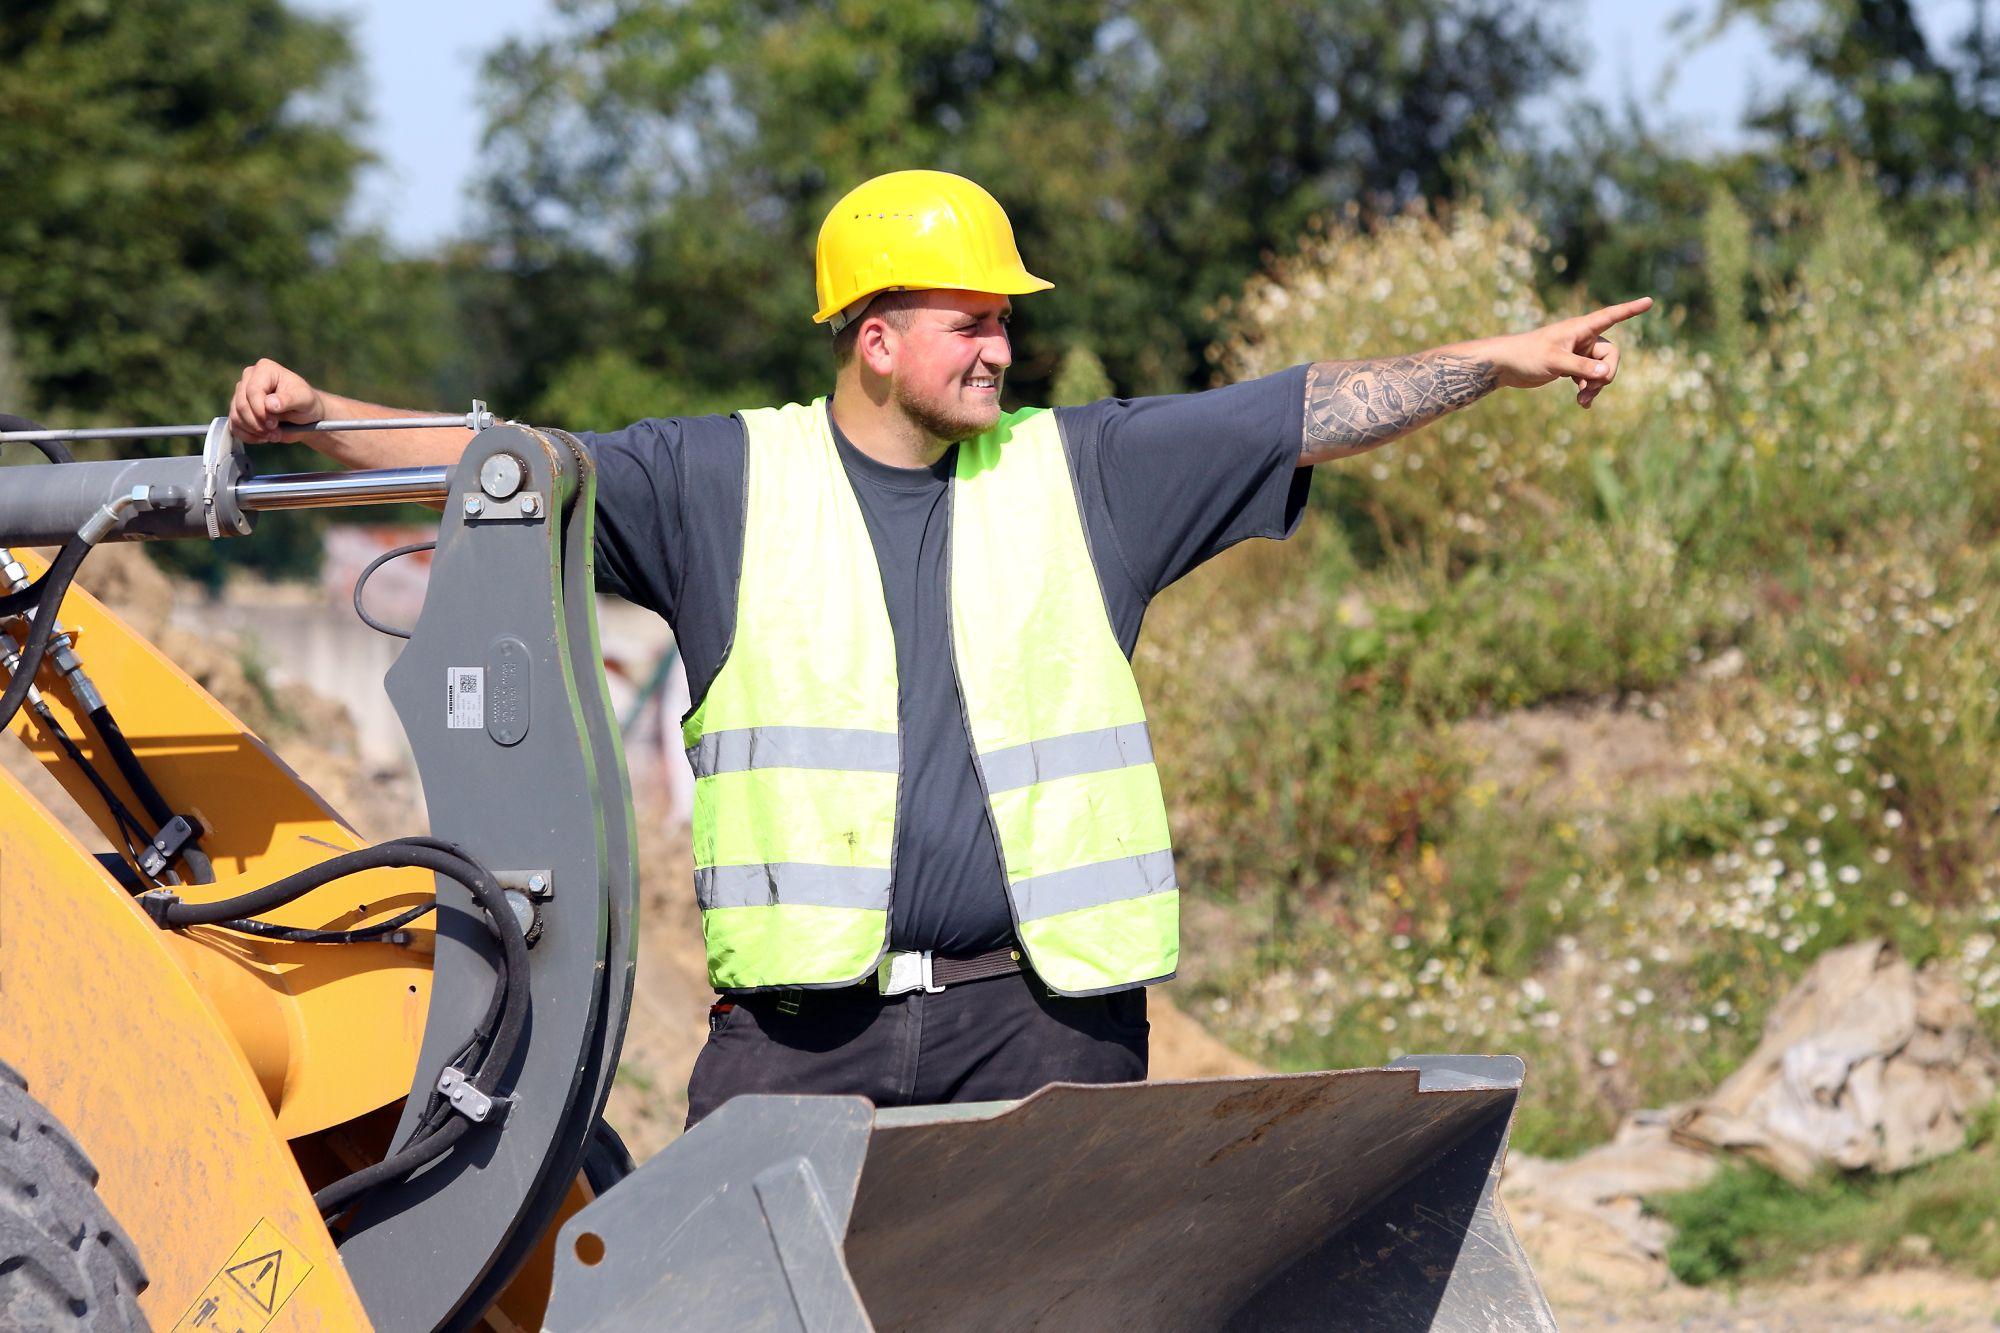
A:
{"points": [[22, 602], [53, 450], [506, 1013], [270, 930], [128, 824], [420, 853], [200, 869], [42, 624], [341, 1194], [361, 584]]}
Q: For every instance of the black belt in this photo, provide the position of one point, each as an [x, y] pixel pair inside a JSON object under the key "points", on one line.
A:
{"points": [[902, 972]]}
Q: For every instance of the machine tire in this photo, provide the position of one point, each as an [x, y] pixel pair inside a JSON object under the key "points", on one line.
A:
{"points": [[607, 1160], [65, 1263]]}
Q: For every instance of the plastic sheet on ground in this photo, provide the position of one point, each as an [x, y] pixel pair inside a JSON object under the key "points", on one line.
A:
{"points": [[1869, 1064]]}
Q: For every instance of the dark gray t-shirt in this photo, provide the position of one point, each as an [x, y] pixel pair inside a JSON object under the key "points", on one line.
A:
{"points": [[1165, 483]]}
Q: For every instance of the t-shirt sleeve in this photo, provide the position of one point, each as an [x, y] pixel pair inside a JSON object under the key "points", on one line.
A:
{"points": [[642, 480], [1184, 477]]}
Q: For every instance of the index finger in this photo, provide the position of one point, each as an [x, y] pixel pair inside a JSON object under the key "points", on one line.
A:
{"points": [[1597, 321]]}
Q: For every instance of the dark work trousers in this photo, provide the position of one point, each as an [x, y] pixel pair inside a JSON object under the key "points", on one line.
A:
{"points": [[978, 1041]]}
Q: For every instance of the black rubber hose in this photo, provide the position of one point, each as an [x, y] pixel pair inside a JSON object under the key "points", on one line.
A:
{"points": [[128, 823], [361, 584], [429, 1139], [22, 602], [488, 1070], [493, 1007], [422, 853], [200, 869], [42, 624], [335, 1198], [271, 930], [53, 450]]}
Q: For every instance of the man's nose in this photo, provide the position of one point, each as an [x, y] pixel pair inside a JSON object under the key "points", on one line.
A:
{"points": [[996, 351]]}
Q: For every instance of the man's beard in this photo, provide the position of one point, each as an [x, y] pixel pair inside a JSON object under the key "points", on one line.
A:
{"points": [[942, 423]]}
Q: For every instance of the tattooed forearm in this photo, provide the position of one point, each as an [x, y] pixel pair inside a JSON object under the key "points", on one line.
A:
{"points": [[1352, 406]]}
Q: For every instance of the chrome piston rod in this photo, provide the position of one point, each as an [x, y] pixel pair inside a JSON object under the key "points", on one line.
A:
{"points": [[331, 490]]}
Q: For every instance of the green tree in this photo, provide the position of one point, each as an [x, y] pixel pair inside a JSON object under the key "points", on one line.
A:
{"points": [[175, 178], [1079, 379], [657, 169], [1871, 87], [1725, 234], [1867, 101], [166, 187]]}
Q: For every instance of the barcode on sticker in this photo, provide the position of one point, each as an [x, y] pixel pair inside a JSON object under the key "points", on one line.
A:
{"points": [[465, 698]]}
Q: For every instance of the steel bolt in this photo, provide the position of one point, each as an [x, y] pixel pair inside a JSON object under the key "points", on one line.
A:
{"points": [[531, 504], [538, 884], [474, 506], [500, 475]]}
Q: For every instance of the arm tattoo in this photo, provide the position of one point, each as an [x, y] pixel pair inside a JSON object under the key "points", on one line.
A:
{"points": [[1352, 406]]}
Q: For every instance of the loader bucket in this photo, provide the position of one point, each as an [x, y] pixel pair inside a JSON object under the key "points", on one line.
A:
{"points": [[1355, 1199]]}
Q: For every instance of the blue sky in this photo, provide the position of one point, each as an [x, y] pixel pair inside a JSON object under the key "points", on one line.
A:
{"points": [[421, 63]]}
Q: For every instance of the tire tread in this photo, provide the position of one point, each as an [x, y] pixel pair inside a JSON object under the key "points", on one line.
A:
{"points": [[64, 1260]]}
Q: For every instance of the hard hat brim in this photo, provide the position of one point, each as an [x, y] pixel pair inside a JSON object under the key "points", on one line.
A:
{"points": [[1019, 283]]}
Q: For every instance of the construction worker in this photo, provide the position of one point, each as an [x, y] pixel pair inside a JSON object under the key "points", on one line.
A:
{"points": [[930, 847]]}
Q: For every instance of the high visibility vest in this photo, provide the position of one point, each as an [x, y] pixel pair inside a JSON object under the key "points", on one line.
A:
{"points": [[796, 751]]}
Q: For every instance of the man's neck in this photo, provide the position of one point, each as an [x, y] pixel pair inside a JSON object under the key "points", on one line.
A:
{"points": [[873, 424]]}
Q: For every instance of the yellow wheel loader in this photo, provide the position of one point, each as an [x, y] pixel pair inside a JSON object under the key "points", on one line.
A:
{"points": [[256, 1075]]}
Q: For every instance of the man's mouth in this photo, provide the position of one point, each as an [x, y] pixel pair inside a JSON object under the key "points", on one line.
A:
{"points": [[983, 383]]}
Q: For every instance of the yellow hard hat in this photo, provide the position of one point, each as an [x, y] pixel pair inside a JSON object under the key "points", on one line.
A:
{"points": [[911, 230]]}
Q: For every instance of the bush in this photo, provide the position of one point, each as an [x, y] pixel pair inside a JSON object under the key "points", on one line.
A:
{"points": [[1778, 543]]}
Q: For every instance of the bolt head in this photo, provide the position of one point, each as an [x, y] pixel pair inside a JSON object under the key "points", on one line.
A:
{"points": [[531, 505], [501, 475], [538, 883], [474, 506]]}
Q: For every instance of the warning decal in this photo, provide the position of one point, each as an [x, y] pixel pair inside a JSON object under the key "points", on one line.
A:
{"points": [[259, 1278], [252, 1286]]}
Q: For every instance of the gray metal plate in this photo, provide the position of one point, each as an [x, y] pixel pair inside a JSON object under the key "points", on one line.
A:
{"points": [[734, 1228], [1157, 1206]]}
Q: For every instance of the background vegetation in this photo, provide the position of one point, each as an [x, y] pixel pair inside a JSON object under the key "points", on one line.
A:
{"points": [[1767, 552]]}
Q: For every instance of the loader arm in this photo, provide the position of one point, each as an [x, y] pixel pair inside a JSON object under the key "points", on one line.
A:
{"points": [[522, 772]]}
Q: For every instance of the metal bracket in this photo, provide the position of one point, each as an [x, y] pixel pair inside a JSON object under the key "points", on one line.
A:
{"points": [[174, 835], [469, 1101], [483, 508]]}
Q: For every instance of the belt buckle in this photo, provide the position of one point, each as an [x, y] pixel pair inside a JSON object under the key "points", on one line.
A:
{"points": [[903, 971]]}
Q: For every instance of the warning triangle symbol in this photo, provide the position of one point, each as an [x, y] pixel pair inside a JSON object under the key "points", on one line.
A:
{"points": [[259, 1279]]}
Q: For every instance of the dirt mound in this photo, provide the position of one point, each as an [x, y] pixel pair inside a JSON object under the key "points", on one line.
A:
{"points": [[1577, 757], [1582, 1221]]}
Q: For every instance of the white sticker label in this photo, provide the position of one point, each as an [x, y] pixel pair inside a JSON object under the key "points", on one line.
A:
{"points": [[465, 698]]}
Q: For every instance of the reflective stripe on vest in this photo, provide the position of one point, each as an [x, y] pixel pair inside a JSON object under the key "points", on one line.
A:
{"points": [[795, 744], [794, 747]]}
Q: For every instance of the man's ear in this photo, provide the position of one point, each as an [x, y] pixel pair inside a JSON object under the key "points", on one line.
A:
{"points": [[874, 343]]}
